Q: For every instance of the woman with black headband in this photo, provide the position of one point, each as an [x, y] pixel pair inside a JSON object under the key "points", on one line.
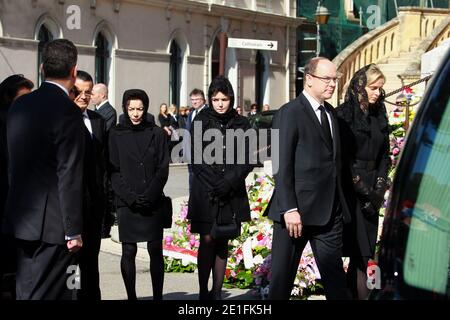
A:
{"points": [[218, 202], [139, 164]]}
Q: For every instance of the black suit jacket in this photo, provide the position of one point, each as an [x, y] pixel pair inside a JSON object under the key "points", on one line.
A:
{"points": [[309, 171], [46, 150], [95, 162], [109, 114]]}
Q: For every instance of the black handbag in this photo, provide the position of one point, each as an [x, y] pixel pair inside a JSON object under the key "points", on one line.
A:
{"points": [[226, 231]]}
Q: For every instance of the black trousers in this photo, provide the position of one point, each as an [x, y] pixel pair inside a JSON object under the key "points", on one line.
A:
{"points": [[90, 275], [326, 244], [45, 271]]}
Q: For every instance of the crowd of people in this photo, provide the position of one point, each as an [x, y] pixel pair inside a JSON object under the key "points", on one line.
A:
{"points": [[67, 169]]}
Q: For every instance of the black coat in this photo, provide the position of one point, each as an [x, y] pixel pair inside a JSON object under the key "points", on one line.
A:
{"points": [[309, 170], [202, 206], [164, 121], [3, 163], [366, 139], [46, 150], [139, 162]]}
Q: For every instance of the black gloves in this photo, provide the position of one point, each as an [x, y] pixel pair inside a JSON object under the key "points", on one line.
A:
{"points": [[141, 203], [361, 188], [368, 210], [221, 188], [377, 195], [371, 198]]}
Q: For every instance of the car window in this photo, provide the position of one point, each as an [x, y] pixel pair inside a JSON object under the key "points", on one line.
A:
{"points": [[427, 253]]}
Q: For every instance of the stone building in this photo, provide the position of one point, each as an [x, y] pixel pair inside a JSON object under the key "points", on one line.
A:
{"points": [[166, 47]]}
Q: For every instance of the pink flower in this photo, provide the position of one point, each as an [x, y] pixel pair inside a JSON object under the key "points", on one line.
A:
{"points": [[168, 240], [395, 151]]}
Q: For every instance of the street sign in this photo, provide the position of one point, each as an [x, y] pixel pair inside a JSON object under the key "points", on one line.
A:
{"points": [[252, 44]]}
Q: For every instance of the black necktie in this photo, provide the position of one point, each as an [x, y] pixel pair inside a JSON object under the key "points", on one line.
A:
{"points": [[325, 125]]}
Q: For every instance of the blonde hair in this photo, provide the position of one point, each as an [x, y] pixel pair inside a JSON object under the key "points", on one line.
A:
{"points": [[373, 73], [173, 108]]}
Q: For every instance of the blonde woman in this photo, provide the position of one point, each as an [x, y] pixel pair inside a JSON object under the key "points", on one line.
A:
{"points": [[364, 127]]}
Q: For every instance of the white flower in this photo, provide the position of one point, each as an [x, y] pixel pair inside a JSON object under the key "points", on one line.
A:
{"points": [[258, 259]]}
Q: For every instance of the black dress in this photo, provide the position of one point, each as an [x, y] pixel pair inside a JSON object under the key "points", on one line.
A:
{"points": [[365, 143], [164, 121], [204, 208], [139, 161]]}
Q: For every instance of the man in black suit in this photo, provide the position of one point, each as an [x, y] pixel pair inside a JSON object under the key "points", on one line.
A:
{"points": [[46, 150], [94, 196], [308, 203], [99, 98], [198, 103]]}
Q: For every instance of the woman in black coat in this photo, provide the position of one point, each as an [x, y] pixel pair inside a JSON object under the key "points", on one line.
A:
{"points": [[218, 193], [10, 89], [139, 160], [364, 127]]}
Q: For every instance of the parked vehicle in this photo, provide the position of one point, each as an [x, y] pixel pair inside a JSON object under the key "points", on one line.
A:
{"points": [[415, 244]]}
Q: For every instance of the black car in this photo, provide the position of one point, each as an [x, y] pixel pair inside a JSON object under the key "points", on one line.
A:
{"points": [[415, 244]]}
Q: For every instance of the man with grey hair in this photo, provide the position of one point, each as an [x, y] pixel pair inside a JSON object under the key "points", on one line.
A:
{"points": [[308, 203]]}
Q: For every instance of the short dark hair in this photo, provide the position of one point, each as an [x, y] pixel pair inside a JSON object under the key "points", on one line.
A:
{"points": [[58, 58], [10, 86], [221, 84], [197, 92], [83, 75]]}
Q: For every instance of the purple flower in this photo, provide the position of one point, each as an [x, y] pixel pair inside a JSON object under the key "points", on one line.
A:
{"points": [[168, 240]]}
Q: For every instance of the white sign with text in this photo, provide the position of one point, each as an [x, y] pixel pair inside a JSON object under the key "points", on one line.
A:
{"points": [[252, 44]]}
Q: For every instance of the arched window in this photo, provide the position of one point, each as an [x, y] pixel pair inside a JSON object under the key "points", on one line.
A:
{"points": [[215, 58], [44, 36], [102, 59], [260, 68], [175, 73]]}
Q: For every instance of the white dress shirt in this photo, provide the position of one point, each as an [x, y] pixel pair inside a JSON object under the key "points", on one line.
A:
{"points": [[87, 122], [315, 105]]}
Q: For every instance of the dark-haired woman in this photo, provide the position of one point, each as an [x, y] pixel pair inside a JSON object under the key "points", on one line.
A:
{"points": [[364, 127], [218, 193], [10, 89], [139, 161]]}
